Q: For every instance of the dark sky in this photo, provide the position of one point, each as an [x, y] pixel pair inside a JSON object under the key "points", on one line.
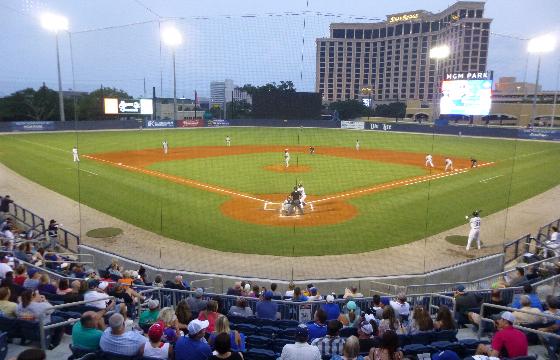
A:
{"points": [[221, 41]]}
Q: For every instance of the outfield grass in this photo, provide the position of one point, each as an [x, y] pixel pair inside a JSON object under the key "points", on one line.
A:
{"points": [[398, 216]]}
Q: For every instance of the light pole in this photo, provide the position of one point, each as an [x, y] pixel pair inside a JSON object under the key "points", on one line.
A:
{"points": [[56, 23], [539, 45], [438, 53], [172, 38], [555, 95]]}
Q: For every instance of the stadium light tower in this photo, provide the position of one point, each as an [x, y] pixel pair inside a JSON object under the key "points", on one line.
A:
{"points": [[438, 53], [172, 38], [539, 45], [56, 23]]}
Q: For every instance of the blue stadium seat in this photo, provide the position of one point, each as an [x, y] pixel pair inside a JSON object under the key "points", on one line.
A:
{"points": [[284, 324], [30, 331], [78, 352], [445, 335], [403, 340], [278, 344], [107, 355], [3, 345], [470, 345], [269, 331], [247, 329], [260, 354], [237, 319], [415, 349], [348, 331], [440, 345], [421, 338], [258, 342], [289, 333], [10, 326]]}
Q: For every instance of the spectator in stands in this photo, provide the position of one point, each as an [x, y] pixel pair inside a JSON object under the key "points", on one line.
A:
{"points": [[274, 289], [290, 292], [524, 317], [519, 278], [183, 314], [117, 340], [464, 302], [235, 290], [15, 290], [34, 306], [168, 320], [444, 319], [79, 288], [96, 291], [255, 291], [126, 294], [390, 321], [4, 267], [210, 314], [158, 281], [552, 305], [376, 307], [20, 275], [420, 321], [193, 346], [401, 307], [350, 351], [489, 312], [142, 278], [350, 316], [38, 258], [508, 342], [352, 292], [63, 287], [180, 284], [266, 308], [331, 343], [318, 327], [87, 332], [5, 206], [32, 354], [45, 285], [368, 327], [32, 281], [388, 348], [552, 344], [240, 308], [314, 295], [527, 290], [300, 349], [246, 290], [20, 254], [150, 315], [154, 348], [237, 340], [298, 295], [196, 303], [114, 270], [7, 308], [332, 309], [222, 346]]}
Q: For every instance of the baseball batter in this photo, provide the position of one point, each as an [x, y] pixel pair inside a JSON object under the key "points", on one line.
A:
{"points": [[474, 234], [228, 141], [429, 160], [75, 154], [448, 164], [286, 158], [165, 146], [357, 145], [301, 190]]}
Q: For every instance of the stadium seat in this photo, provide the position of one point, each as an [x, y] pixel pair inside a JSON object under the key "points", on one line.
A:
{"points": [[284, 324], [289, 333], [260, 354], [348, 331], [269, 331], [278, 344], [30, 331], [236, 319], [258, 342], [403, 340], [10, 326], [247, 329], [78, 352], [3, 345], [415, 349], [440, 345], [470, 345], [445, 335], [421, 338], [107, 355]]}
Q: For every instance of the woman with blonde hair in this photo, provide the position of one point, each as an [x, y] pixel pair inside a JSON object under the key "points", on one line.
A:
{"points": [[222, 326], [350, 351], [45, 285], [168, 320]]}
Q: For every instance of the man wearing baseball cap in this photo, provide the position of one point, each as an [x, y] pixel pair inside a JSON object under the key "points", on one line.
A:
{"points": [[332, 309], [464, 301], [193, 346], [301, 350], [266, 308], [508, 342]]}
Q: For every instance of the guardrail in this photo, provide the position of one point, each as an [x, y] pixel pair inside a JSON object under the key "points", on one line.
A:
{"points": [[516, 248], [546, 230]]}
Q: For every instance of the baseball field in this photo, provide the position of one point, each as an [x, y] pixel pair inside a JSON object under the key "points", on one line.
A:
{"points": [[228, 197]]}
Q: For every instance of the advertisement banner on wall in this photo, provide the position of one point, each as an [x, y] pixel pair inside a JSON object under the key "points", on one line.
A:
{"points": [[379, 126], [217, 123], [32, 125], [190, 123], [352, 125], [539, 134], [159, 123]]}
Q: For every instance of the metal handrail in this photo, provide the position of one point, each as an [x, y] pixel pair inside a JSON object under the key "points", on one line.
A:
{"points": [[431, 305]]}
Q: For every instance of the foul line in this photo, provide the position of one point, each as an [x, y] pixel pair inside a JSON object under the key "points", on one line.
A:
{"points": [[176, 179], [490, 178]]}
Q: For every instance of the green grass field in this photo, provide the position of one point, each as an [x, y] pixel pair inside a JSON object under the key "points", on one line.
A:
{"points": [[523, 169]]}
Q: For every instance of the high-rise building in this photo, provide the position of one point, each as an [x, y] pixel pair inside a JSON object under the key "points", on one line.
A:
{"points": [[389, 60], [222, 92]]}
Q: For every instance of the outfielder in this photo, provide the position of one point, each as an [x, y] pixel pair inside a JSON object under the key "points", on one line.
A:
{"points": [[474, 234], [75, 154], [228, 141], [429, 160], [357, 145], [286, 158], [448, 164], [301, 190], [165, 146]]}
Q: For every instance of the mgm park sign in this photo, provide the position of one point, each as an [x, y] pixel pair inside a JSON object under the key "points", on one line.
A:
{"points": [[483, 75]]}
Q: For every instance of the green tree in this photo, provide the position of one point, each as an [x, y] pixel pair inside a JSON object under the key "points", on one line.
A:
{"points": [[349, 109], [91, 107], [238, 109], [394, 110], [216, 111], [30, 104]]}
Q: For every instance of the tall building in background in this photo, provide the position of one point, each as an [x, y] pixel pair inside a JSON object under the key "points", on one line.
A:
{"points": [[392, 57], [222, 92]]}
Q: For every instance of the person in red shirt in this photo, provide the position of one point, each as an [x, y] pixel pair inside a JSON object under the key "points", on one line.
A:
{"points": [[508, 342]]}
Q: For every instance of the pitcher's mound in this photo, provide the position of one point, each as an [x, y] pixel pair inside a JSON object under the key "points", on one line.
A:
{"points": [[290, 169]]}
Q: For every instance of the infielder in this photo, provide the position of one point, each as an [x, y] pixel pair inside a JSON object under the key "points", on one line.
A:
{"points": [[429, 160], [357, 145], [165, 146], [474, 234], [301, 190], [286, 158], [228, 141], [474, 163], [448, 164], [75, 154]]}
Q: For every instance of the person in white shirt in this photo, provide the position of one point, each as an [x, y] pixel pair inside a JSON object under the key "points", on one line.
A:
{"points": [[301, 190], [96, 292], [474, 234], [429, 160], [75, 154], [553, 244], [448, 164], [357, 145], [228, 141], [165, 146], [301, 350], [4, 267], [401, 307], [286, 158]]}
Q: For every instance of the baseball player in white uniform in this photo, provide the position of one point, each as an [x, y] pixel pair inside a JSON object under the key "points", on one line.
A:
{"points": [[357, 145], [474, 234], [429, 160], [165, 146], [75, 154], [228, 141], [448, 164], [303, 195], [286, 158]]}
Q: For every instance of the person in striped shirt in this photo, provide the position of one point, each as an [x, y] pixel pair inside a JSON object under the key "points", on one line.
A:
{"points": [[332, 343]]}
